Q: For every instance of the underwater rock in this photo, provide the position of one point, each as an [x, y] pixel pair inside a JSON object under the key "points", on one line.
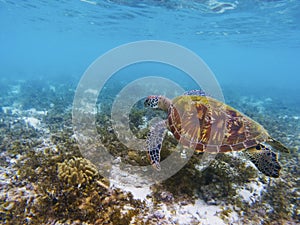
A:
{"points": [[77, 171]]}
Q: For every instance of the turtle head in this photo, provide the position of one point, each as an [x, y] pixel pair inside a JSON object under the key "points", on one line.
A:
{"points": [[152, 101], [157, 101]]}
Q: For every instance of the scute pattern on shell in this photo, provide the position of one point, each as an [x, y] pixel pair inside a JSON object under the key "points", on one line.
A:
{"points": [[206, 124]]}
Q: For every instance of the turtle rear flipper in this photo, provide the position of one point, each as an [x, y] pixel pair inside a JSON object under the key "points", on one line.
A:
{"points": [[154, 143], [265, 160]]}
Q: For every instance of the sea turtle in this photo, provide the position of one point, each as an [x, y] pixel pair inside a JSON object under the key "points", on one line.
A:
{"points": [[205, 124]]}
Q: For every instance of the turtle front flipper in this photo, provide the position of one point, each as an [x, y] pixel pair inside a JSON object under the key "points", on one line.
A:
{"points": [[264, 159], [154, 142]]}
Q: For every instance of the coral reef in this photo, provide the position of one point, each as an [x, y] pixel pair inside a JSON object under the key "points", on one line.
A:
{"points": [[44, 178], [76, 171], [46, 190]]}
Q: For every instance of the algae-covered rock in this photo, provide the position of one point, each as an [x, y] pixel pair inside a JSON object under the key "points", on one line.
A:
{"points": [[77, 171]]}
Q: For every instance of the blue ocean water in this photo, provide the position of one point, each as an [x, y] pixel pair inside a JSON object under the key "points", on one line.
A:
{"points": [[250, 43], [251, 46]]}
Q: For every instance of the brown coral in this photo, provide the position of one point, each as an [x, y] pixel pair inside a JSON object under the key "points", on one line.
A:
{"points": [[77, 171]]}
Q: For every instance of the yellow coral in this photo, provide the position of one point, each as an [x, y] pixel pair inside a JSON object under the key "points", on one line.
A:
{"points": [[77, 171]]}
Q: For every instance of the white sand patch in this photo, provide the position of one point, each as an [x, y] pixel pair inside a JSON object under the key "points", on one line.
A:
{"points": [[252, 191], [199, 212], [11, 110], [16, 111], [245, 194], [15, 89], [91, 91], [33, 111], [87, 107], [6, 109], [173, 213], [268, 99], [283, 117], [52, 88], [205, 214], [128, 182], [31, 121], [139, 193]]}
